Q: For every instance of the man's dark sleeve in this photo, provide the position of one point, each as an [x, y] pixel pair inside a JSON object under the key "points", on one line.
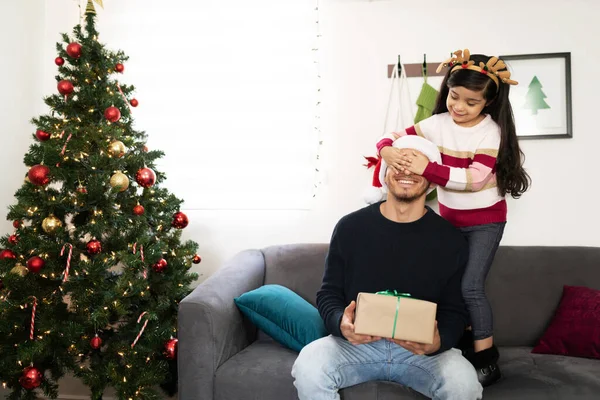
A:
{"points": [[330, 298], [452, 314]]}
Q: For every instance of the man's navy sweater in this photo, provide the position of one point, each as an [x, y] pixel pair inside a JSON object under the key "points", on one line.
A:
{"points": [[370, 253]]}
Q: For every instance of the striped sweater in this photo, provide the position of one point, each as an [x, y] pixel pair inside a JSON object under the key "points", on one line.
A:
{"points": [[467, 192]]}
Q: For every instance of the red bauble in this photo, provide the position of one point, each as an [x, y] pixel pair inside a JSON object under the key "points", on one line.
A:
{"points": [[119, 67], [134, 102], [41, 135], [138, 210], [31, 378], [112, 114], [74, 50], [180, 220], [39, 175], [65, 87], [59, 61], [145, 177], [145, 148], [81, 189], [35, 264], [93, 247], [96, 342], [160, 266], [196, 259], [7, 253], [17, 223], [13, 239], [170, 351]]}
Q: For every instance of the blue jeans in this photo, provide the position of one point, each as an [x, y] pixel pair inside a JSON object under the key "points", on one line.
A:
{"points": [[483, 243], [331, 363]]}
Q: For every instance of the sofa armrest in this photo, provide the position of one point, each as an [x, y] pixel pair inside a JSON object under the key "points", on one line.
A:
{"points": [[210, 326]]}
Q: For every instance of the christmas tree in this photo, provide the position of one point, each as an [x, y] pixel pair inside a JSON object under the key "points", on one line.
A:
{"points": [[92, 276], [535, 97]]}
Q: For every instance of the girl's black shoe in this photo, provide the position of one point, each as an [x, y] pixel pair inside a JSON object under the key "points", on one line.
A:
{"points": [[486, 365]]}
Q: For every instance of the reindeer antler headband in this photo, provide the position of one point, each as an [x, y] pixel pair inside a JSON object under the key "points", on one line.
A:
{"points": [[462, 60]]}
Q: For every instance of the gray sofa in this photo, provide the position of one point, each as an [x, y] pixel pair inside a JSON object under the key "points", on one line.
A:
{"points": [[223, 357]]}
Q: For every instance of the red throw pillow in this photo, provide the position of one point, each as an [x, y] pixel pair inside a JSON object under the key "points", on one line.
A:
{"points": [[575, 328]]}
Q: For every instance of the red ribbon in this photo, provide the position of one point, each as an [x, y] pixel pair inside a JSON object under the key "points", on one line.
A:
{"points": [[371, 161], [374, 162]]}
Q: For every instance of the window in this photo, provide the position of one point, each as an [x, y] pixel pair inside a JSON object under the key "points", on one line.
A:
{"points": [[228, 90]]}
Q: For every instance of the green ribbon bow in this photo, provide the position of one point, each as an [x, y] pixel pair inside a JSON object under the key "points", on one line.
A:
{"points": [[397, 295]]}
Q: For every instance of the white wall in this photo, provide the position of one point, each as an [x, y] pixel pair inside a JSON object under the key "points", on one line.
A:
{"points": [[560, 208], [359, 39], [21, 38]]}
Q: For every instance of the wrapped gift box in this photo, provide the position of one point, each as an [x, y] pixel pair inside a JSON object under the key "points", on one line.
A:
{"points": [[394, 315]]}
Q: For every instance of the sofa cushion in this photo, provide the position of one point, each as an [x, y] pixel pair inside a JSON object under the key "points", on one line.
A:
{"points": [[530, 279], [298, 267], [380, 390], [540, 377], [575, 328], [283, 315], [526, 377], [260, 371], [263, 371]]}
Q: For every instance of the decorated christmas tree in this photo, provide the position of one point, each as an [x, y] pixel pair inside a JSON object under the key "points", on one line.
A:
{"points": [[535, 97], [93, 273]]}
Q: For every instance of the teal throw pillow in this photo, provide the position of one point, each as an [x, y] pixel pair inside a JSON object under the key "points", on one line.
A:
{"points": [[283, 315]]}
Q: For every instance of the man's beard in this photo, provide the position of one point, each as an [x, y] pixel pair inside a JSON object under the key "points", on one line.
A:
{"points": [[409, 198]]}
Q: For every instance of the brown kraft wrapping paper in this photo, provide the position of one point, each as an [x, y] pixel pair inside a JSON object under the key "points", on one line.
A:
{"points": [[375, 315]]}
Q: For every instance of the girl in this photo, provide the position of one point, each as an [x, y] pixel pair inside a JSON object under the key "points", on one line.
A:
{"points": [[473, 126]]}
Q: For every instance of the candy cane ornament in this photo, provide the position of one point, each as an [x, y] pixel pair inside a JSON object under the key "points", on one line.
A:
{"points": [[34, 306], [62, 153], [145, 272], [141, 330], [66, 277], [124, 98]]}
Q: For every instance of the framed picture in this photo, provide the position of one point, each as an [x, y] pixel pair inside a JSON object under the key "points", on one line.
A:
{"points": [[541, 102]]}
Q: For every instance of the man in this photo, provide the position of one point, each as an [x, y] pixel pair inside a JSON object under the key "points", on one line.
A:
{"points": [[395, 244]]}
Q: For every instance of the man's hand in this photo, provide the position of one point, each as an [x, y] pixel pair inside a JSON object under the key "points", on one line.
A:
{"points": [[413, 161], [347, 327], [420, 348]]}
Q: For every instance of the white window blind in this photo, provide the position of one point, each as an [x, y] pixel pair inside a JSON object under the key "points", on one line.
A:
{"points": [[233, 92]]}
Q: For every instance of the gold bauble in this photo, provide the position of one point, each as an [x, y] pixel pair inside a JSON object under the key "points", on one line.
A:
{"points": [[117, 149], [50, 224], [119, 181], [19, 269]]}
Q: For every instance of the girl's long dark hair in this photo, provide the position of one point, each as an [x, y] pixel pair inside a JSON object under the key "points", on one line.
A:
{"points": [[511, 177]]}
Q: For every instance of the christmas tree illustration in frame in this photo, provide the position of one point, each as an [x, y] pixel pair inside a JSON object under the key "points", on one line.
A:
{"points": [[535, 97], [541, 101]]}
